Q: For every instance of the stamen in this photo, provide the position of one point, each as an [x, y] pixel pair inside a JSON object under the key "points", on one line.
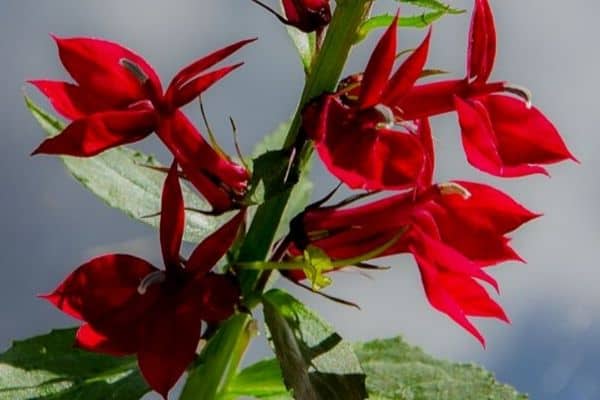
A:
{"points": [[151, 279], [449, 188], [521, 92], [135, 70], [387, 114]]}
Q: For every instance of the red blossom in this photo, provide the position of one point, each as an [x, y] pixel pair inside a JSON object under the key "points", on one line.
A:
{"points": [[131, 307], [502, 135], [359, 140], [118, 99], [305, 15], [453, 231]]}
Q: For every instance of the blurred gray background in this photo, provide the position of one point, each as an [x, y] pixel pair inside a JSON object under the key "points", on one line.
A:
{"points": [[51, 224]]}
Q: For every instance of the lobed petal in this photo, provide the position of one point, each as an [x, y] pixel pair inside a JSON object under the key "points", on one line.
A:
{"points": [[482, 43], [69, 100], [91, 135]]}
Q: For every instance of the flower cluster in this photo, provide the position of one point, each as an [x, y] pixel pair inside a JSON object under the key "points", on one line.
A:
{"points": [[374, 134], [129, 306]]}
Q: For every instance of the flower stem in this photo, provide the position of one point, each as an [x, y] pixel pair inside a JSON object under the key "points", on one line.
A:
{"points": [[209, 378]]}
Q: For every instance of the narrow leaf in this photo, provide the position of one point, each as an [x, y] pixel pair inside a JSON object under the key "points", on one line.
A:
{"points": [[121, 178], [383, 21], [316, 363], [48, 367], [433, 5]]}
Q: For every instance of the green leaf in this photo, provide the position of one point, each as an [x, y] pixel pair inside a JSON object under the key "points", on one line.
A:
{"points": [[413, 21], [396, 370], [48, 367], [305, 44], [316, 363], [262, 380], [118, 177], [433, 5]]}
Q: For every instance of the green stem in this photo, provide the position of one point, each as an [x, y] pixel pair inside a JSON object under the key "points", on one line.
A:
{"points": [[220, 359]]}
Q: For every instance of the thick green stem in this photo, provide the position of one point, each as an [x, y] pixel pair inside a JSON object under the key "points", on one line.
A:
{"points": [[209, 378]]}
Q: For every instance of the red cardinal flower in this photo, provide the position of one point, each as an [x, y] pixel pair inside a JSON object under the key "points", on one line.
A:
{"points": [[118, 99], [360, 141], [501, 134], [306, 15], [131, 307], [453, 231]]}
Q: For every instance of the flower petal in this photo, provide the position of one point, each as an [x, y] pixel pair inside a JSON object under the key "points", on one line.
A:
{"points": [[408, 73], [189, 91], [69, 100], [220, 295], [482, 43], [206, 255], [524, 134], [197, 67], [168, 345], [86, 137], [172, 219], [481, 142], [95, 64], [104, 293], [89, 339], [379, 67]]}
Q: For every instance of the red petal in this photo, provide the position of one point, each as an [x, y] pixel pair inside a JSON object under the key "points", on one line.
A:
{"points": [[197, 67], [188, 92], [95, 65], [172, 219], [89, 339], [379, 67], [443, 301], [482, 43], [201, 164], [220, 295], [69, 100], [366, 157], [307, 15], [104, 293], [426, 138], [86, 137], [213, 248], [408, 73], [524, 134], [472, 298], [480, 142], [169, 342]]}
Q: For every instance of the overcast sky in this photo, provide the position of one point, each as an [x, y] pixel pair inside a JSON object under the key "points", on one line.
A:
{"points": [[51, 224]]}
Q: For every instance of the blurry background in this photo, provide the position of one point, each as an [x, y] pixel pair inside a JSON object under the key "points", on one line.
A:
{"points": [[50, 224]]}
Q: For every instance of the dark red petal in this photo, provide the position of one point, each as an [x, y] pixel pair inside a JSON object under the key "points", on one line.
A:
{"points": [[203, 166], [89, 339], [172, 218], [481, 142], [524, 134], [86, 137], [307, 15], [168, 345], [379, 67], [213, 248], [95, 65], [408, 73], [426, 138], [197, 67], [189, 91], [482, 43], [104, 293], [69, 100], [219, 297], [441, 300], [487, 208]]}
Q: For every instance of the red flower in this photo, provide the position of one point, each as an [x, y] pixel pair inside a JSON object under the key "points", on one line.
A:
{"points": [[131, 307], [453, 231], [118, 99], [359, 140], [502, 135], [306, 15]]}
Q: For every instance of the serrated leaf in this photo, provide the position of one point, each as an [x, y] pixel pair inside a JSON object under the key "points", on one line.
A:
{"points": [[118, 178], [48, 367], [316, 363], [396, 370], [383, 21]]}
